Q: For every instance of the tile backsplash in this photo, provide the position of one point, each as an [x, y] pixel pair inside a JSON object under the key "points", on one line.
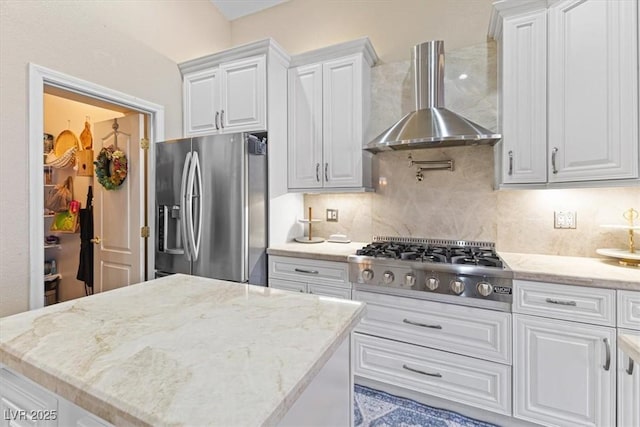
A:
{"points": [[463, 204]]}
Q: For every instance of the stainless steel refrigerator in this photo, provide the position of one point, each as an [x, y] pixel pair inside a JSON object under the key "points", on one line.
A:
{"points": [[211, 207]]}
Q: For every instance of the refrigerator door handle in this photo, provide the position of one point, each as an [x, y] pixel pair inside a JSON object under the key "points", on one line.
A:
{"points": [[184, 204], [194, 238]]}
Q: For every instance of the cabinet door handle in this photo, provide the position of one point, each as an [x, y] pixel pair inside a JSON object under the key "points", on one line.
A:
{"points": [[217, 120], [424, 325], [510, 162], [629, 369], [607, 362], [559, 302], [417, 371], [326, 173], [300, 270], [553, 160], [318, 172], [222, 119]]}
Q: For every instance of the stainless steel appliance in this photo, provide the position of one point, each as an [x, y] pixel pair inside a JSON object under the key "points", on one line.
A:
{"points": [[458, 272], [211, 207], [431, 124]]}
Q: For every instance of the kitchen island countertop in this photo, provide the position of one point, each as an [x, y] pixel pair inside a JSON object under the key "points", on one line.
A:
{"points": [[180, 350]]}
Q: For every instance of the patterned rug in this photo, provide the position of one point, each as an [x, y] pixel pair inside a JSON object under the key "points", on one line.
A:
{"points": [[375, 408]]}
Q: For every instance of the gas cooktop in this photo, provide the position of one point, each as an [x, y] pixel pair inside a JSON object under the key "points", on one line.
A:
{"points": [[456, 271]]}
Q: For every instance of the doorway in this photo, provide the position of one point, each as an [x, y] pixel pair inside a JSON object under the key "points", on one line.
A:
{"points": [[45, 83]]}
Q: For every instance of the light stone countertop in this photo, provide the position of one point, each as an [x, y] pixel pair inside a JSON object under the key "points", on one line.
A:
{"points": [[325, 251], [180, 350], [582, 271], [630, 345]]}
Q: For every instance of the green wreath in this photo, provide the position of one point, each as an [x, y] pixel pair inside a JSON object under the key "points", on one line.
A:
{"points": [[111, 167]]}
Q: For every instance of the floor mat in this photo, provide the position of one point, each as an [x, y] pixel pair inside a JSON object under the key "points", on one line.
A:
{"points": [[373, 408]]}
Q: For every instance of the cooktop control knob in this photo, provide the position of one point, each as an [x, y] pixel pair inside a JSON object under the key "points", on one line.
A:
{"points": [[457, 286], [387, 277], [432, 283], [409, 280], [484, 288], [367, 274]]}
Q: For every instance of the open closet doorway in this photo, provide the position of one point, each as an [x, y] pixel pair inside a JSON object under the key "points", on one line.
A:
{"points": [[63, 104]]}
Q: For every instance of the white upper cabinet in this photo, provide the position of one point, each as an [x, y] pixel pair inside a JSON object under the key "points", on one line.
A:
{"points": [[593, 90], [226, 92], [201, 95], [305, 126], [524, 115], [329, 94], [243, 95], [569, 77]]}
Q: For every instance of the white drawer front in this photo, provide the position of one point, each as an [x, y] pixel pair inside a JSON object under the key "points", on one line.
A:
{"points": [[466, 330], [309, 271], [330, 291], [287, 285], [466, 380], [629, 310], [565, 302]]}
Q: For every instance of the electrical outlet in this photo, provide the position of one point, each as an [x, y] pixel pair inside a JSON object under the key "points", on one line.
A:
{"points": [[332, 215], [564, 219]]}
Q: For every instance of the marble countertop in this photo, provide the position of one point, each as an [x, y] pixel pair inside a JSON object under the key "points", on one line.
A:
{"points": [[582, 271], [630, 345], [326, 251], [180, 350]]}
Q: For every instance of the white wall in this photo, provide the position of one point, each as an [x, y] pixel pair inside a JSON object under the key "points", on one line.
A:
{"points": [[132, 47]]}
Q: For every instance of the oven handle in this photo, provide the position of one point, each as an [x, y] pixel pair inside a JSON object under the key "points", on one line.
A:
{"points": [[424, 325], [417, 371]]}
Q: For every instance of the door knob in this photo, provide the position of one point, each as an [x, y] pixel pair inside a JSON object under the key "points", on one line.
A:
{"points": [[96, 240]]}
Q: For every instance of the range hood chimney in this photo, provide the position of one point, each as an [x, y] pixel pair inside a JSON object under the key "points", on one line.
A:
{"points": [[431, 125]]}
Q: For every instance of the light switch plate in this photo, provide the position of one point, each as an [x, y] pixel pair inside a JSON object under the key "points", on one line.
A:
{"points": [[564, 219]]}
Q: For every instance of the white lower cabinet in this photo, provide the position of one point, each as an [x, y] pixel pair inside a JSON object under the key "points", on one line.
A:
{"points": [[564, 372], [326, 278], [628, 387], [564, 354], [419, 345], [25, 403], [463, 379]]}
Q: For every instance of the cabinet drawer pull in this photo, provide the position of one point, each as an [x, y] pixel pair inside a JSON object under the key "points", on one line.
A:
{"points": [[300, 270], [424, 325], [317, 172], [559, 302], [510, 162], [417, 371], [553, 160], [217, 120], [629, 366], [607, 362]]}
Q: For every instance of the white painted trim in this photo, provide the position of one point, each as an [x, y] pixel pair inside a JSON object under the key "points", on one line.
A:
{"points": [[38, 77], [261, 47], [362, 45]]}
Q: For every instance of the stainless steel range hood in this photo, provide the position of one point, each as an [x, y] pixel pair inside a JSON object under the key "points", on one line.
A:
{"points": [[431, 125]]}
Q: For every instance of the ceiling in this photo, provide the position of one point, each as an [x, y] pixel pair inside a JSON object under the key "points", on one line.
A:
{"points": [[234, 9]]}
